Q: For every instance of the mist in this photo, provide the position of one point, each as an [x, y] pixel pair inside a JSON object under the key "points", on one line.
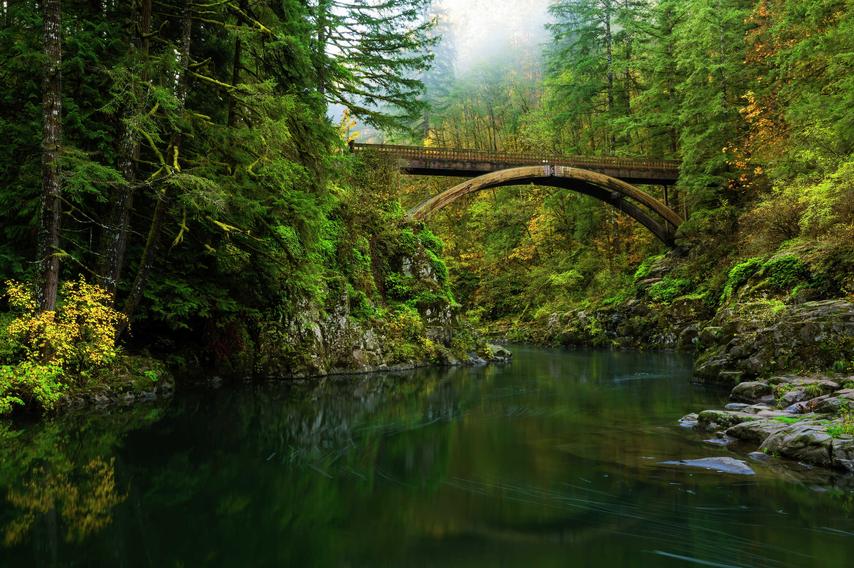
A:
{"points": [[486, 31]]}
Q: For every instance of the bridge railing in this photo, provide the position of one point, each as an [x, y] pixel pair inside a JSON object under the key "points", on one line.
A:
{"points": [[459, 155]]}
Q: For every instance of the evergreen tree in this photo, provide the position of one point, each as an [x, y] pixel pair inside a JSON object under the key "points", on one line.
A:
{"points": [[51, 210], [369, 55]]}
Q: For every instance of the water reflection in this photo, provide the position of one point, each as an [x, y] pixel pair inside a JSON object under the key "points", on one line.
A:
{"points": [[552, 460]]}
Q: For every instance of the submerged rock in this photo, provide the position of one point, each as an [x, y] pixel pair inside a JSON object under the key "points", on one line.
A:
{"points": [[689, 420], [759, 457], [720, 465]]}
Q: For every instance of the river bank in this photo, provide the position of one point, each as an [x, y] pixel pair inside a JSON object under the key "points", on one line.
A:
{"points": [[767, 332]]}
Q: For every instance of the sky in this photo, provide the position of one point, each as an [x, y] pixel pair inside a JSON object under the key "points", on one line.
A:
{"points": [[485, 29]]}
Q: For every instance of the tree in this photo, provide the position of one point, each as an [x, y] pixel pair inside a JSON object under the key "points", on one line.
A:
{"points": [[51, 210], [368, 56]]}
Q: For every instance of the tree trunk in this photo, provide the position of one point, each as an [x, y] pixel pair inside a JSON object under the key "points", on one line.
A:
{"points": [[609, 52], [51, 209], [114, 242], [236, 67], [164, 199], [320, 50]]}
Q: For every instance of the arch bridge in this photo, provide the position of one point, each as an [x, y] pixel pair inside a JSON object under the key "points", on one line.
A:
{"points": [[607, 179]]}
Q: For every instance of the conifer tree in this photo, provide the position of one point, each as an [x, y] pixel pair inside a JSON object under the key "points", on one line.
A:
{"points": [[368, 56]]}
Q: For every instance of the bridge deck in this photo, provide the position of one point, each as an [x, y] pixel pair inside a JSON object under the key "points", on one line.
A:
{"points": [[470, 163]]}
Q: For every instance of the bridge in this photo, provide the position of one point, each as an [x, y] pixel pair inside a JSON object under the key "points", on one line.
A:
{"points": [[608, 179]]}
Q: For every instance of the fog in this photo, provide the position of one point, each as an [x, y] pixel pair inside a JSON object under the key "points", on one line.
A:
{"points": [[489, 30]]}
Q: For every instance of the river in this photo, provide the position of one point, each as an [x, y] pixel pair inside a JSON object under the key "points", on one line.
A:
{"points": [[553, 460]]}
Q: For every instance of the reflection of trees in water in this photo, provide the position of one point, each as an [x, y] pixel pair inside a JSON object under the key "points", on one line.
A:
{"points": [[84, 500], [322, 421], [58, 477]]}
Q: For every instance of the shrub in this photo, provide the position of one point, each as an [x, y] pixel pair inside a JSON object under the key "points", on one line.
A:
{"points": [[48, 347], [439, 266], [431, 242], [784, 272], [739, 275]]}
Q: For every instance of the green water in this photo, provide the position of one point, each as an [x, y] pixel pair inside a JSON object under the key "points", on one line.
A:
{"points": [[553, 460]]}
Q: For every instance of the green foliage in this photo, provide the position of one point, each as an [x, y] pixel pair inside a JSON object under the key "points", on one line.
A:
{"points": [[784, 272], [645, 267], [739, 275], [48, 350], [669, 289], [430, 241], [845, 426], [439, 266]]}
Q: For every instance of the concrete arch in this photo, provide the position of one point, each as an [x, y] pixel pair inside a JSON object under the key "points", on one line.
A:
{"points": [[641, 206]]}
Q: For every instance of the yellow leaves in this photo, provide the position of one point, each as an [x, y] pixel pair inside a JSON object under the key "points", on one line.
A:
{"points": [[80, 333], [346, 128], [20, 297], [85, 501]]}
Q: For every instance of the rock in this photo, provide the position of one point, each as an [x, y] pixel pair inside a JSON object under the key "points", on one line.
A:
{"points": [[757, 408], [711, 335], [756, 431], [500, 353], [815, 386], [754, 341], [737, 406], [689, 420], [720, 465], [730, 377], [827, 404], [720, 441], [794, 396], [750, 391], [713, 420], [843, 453], [809, 443], [759, 457]]}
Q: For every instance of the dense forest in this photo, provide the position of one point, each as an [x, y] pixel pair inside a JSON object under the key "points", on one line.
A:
{"points": [[754, 99], [176, 185]]}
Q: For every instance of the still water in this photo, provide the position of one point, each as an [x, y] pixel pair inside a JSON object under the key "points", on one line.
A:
{"points": [[553, 460]]}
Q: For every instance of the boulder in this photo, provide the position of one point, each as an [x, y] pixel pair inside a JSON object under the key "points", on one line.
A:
{"points": [[843, 453], [809, 443], [756, 431], [720, 465], [750, 391], [754, 341], [500, 353], [713, 420], [791, 397]]}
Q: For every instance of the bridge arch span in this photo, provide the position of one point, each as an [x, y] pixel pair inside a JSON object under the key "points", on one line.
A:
{"points": [[641, 206]]}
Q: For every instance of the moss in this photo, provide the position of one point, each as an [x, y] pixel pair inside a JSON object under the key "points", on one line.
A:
{"points": [[739, 275], [785, 272], [787, 419], [646, 267], [668, 289], [438, 265], [431, 242], [407, 242]]}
